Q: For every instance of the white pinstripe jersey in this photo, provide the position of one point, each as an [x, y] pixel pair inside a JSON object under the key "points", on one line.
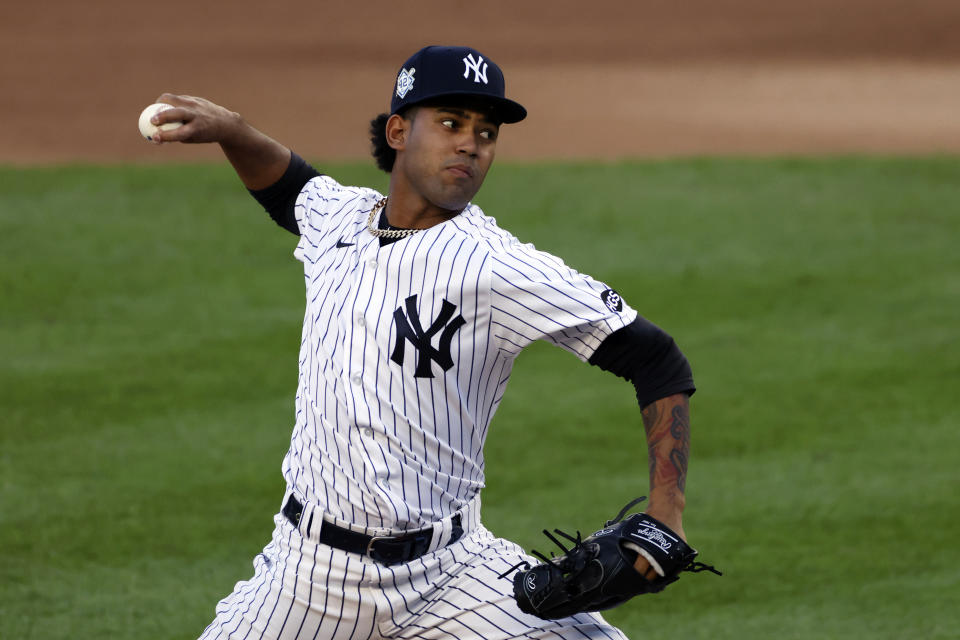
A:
{"points": [[406, 353]]}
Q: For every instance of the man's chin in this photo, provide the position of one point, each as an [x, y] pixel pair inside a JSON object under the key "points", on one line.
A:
{"points": [[456, 202]]}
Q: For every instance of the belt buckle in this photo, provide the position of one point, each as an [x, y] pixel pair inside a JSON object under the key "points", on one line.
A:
{"points": [[398, 550], [373, 540], [392, 551]]}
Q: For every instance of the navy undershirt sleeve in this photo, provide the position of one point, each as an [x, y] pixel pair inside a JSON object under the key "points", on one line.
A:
{"points": [[280, 198], [647, 356]]}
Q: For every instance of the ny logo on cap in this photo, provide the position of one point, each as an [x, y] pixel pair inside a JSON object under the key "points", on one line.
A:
{"points": [[405, 82], [469, 64]]}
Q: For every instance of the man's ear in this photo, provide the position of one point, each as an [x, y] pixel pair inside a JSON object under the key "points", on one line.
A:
{"points": [[398, 130]]}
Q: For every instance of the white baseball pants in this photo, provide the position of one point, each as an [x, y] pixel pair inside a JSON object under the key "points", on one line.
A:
{"points": [[305, 590]]}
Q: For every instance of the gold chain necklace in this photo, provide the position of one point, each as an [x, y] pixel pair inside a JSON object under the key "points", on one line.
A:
{"points": [[386, 233]]}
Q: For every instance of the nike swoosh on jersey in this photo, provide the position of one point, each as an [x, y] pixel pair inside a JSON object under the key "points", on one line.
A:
{"points": [[341, 244]]}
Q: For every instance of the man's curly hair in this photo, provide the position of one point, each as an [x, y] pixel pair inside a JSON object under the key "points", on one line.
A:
{"points": [[383, 153]]}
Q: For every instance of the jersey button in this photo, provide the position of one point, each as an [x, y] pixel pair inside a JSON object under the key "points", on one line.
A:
{"points": [[360, 321], [356, 379], [368, 432], [372, 264]]}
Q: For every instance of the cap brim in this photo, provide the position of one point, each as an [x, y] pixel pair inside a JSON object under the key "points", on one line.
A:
{"points": [[506, 111]]}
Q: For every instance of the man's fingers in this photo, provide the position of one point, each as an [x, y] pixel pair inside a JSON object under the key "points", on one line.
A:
{"points": [[641, 564], [202, 120], [644, 568], [180, 134], [177, 114]]}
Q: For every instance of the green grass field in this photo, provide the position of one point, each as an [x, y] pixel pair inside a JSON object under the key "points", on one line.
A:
{"points": [[150, 320]]}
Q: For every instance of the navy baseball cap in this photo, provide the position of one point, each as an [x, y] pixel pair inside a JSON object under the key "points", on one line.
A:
{"points": [[435, 72]]}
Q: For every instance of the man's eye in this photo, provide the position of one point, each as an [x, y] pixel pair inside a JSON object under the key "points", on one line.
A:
{"points": [[489, 135], [449, 123]]}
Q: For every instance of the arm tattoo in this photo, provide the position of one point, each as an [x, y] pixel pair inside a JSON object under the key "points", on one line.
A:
{"points": [[651, 415], [667, 423], [680, 430]]}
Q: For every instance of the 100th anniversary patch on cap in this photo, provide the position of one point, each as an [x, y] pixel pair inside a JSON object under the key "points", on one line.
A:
{"points": [[434, 72]]}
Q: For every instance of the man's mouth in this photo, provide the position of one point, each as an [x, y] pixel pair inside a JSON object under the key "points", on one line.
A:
{"points": [[461, 170]]}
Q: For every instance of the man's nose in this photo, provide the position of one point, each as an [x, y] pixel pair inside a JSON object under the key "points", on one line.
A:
{"points": [[467, 143]]}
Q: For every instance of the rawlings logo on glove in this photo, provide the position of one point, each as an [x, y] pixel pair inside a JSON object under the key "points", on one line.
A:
{"points": [[597, 573], [649, 532]]}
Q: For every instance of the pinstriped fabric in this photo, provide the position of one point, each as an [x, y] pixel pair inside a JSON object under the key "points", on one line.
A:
{"points": [[457, 593], [407, 350], [302, 590], [405, 355], [536, 296], [299, 590]]}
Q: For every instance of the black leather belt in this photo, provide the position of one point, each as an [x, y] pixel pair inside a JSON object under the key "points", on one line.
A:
{"points": [[385, 550]]}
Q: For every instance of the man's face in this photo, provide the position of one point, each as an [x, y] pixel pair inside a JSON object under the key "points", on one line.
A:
{"points": [[447, 153]]}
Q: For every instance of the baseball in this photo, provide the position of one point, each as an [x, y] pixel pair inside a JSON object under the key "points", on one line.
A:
{"points": [[147, 128]]}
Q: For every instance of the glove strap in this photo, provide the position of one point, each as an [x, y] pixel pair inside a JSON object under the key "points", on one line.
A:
{"points": [[697, 567], [623, 511]]}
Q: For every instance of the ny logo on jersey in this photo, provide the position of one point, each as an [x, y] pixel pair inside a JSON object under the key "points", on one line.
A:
{"points": [[469, 64], [409, 328]]}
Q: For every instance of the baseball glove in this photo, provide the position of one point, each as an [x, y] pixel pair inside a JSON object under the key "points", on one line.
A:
{"points": [[597, 573]]}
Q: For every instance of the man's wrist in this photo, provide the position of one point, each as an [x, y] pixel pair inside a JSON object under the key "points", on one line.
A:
{"points": [[669, 497], [667, 505]]}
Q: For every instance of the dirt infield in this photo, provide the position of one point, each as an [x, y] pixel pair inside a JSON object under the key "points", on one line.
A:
{"points": [[601, 79]]}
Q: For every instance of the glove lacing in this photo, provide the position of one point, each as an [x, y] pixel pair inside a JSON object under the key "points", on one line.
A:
{"points": [[577, 543]]}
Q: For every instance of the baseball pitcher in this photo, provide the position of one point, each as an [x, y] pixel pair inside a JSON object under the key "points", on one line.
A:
{"points": [[417, 304]]}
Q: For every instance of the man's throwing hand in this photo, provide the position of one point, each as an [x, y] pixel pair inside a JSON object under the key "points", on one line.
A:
{"points": [[202, 120]]}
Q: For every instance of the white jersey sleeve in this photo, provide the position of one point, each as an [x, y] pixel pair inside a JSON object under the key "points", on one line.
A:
{"points": [[316, 209], [534, 296]]}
